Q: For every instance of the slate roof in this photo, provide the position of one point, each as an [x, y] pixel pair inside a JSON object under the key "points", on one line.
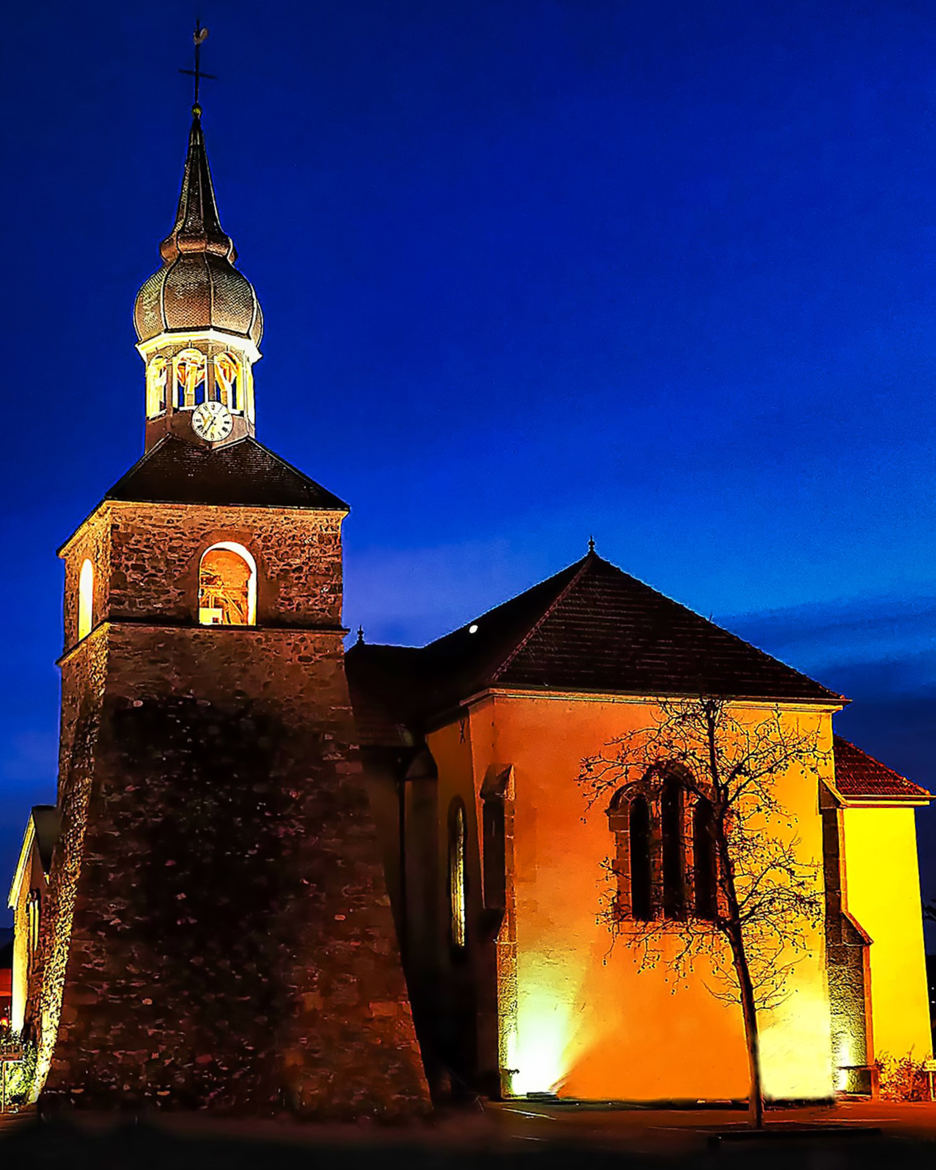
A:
{"points": [[590, 627], [858, 774], [244, 472]]}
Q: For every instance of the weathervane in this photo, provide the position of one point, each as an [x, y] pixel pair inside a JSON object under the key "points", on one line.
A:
{"points": [[199, 36]]}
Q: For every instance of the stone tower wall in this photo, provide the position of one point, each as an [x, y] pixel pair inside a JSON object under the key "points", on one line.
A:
{"points": [[146, 559], [220, 935]]}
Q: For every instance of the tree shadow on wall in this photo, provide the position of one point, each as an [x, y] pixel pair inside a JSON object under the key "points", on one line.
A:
{"points": [[209, 833]]}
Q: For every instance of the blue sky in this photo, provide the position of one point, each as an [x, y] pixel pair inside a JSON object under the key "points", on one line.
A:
{"points": [[661, 272]]}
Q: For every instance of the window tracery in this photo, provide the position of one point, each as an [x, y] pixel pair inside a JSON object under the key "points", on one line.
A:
{"points": [[665, 861]]}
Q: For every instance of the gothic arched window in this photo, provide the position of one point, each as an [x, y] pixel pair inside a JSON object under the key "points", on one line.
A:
{"points": [[227, 381], [493, 822], [457, 845], [704, 861], [189, 368], [85, 599], [671, 818], [641, 873], [157, 377], [227, 586], [33, 923]]}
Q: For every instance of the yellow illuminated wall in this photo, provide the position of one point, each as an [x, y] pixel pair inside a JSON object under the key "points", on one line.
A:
{"points": [[882, 891], [576, 1018], [29, 882]]}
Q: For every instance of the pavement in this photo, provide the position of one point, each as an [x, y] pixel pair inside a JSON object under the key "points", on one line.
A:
{"points": [[848, 1134], [684, 1131]]}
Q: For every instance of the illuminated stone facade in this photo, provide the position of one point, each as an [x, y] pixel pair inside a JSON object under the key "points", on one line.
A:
{"points": [[496, 718], [218, 933]]}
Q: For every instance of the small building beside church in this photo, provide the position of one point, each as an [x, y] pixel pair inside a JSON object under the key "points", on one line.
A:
{"points": [[282, 877]]}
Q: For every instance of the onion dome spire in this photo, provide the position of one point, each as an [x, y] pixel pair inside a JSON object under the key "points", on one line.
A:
{"points": [[197, 226], [197, 286], [198, 320]]}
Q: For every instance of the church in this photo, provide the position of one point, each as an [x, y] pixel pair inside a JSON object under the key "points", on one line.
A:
{"points": [[279, 877]]}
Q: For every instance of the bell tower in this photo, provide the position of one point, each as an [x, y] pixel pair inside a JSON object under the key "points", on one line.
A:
{"points": [[218, 933], [198, 321]]}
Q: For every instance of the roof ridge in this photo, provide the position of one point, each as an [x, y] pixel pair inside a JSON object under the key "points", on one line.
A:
{"points": [[290, 467], [583, 565], [710, 621]]}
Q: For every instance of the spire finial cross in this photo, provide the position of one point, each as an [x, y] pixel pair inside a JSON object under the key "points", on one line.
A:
{"points": [[198, 37]]}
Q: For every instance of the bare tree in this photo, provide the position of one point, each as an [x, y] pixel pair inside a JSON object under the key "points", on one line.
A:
{"points": [[764, 899]]}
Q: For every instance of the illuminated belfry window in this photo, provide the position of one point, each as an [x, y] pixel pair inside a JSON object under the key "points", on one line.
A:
{"points": [[189, 371], [227, 381], [85, 599], [664, 863], [456, 865], [184, 379], [227, 586], [157, 386]]}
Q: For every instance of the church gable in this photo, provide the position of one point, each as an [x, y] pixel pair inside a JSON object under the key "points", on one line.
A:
{"points": [[589, 628], [607, 631]]}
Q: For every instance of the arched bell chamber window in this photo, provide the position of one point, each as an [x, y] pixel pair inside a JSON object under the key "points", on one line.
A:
{"points": [[157, 386], [227, 381], [189, 369], [227, 586]]}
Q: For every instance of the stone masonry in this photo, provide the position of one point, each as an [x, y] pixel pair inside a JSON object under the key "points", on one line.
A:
{"points": [[219, 935]]}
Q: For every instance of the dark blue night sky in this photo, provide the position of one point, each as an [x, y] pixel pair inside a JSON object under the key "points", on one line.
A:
{"points": [[661, 272]]}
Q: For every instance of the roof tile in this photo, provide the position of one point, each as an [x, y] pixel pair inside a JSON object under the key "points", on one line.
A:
{"points": [[590, 627], [858, 774], [244, 472]]}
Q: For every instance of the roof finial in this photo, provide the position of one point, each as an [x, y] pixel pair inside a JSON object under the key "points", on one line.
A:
{"points": [[360, 635], [591, 544], [198, 37]]}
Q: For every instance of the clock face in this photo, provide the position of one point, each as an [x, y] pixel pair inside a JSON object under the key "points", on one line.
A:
{"points": [[212, 421]]}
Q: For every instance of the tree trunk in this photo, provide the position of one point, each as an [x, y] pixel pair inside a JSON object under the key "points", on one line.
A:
{"points": [[751, 1034]]}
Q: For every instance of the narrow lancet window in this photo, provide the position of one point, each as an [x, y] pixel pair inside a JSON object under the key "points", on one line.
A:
{"points": [[671, 818], [640, 872], [227, 586], [85, 600], [457, 908], [495, 845], [703, 849]]}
